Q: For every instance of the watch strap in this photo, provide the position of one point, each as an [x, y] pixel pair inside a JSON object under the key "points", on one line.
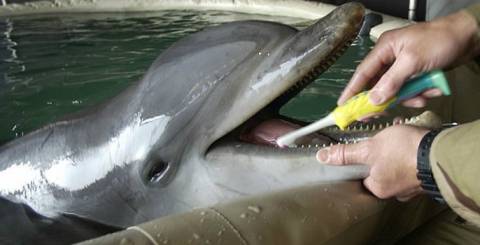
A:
{"points": [[424, 173]]}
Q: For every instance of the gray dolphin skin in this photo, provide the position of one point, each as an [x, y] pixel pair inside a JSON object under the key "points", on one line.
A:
{"points": [[170, 142]]}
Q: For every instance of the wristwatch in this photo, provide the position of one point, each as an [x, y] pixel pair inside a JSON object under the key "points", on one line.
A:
{"points": [[424, 173]]}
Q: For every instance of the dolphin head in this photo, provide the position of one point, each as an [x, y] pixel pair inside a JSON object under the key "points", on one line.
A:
{"points": [[215, 87], [182, 136], [195, 130], [275, 74], [226, 77]]}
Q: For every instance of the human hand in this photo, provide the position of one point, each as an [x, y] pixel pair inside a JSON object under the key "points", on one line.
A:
{"points": [[392, 157], [402, 53]]}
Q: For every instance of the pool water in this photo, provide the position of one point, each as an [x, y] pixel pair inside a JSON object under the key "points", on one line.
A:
{"points": [[55, 65]]}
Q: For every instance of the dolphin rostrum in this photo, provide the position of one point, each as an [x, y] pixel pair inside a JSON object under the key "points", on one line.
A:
{"points": [[173, 141]]}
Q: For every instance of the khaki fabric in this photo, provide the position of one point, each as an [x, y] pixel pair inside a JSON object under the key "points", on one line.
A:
{"points": [[454, 155], [457, 148], [455, 161], [445, 229]]}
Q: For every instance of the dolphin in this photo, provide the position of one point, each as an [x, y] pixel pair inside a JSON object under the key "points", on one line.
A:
{"points": [[173, 141]]}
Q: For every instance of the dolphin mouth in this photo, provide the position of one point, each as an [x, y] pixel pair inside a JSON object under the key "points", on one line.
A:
{"points": [[264, 127], [264, 124], [267, 132], [264, 133]]}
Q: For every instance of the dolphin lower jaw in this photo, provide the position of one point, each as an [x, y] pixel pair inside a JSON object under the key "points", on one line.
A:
{"points": [[239, 168]]}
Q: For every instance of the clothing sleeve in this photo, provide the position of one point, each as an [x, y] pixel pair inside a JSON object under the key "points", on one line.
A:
{"points": [[455, 163]]}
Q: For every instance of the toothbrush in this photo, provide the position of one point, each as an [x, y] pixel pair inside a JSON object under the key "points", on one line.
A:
{"points": [[360, 106]]}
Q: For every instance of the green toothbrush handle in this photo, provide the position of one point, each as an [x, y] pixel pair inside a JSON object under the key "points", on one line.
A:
{"points": [[360, 106], [418, 84]]}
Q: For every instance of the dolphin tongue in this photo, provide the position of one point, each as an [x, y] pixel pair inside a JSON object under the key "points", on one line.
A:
{"points": [[267, 132]]}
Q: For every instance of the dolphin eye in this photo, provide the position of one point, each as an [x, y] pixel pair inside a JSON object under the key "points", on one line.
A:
{"points": [[157, 172]]}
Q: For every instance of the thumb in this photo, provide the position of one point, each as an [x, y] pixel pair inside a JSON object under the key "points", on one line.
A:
{"points": [[343, 154]]}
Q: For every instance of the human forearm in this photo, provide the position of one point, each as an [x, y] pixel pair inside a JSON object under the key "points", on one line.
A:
{"points": [[474, 12], [402, 53], [464, 26]]}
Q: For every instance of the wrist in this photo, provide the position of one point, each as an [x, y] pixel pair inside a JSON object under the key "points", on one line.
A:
{"points": [[463, 28], [424, 171], [470, 18]]}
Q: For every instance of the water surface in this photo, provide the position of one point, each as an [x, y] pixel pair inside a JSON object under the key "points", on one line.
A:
{"points": [[53, 65]]}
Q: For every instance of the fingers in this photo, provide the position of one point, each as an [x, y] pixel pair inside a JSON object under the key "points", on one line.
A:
{"points": [[402, 69], [375, 188], [366, 118], [421, 100], [432, 93], [380, 191], [406, 196], [342, 154], [374, 64], [416, 102]]}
